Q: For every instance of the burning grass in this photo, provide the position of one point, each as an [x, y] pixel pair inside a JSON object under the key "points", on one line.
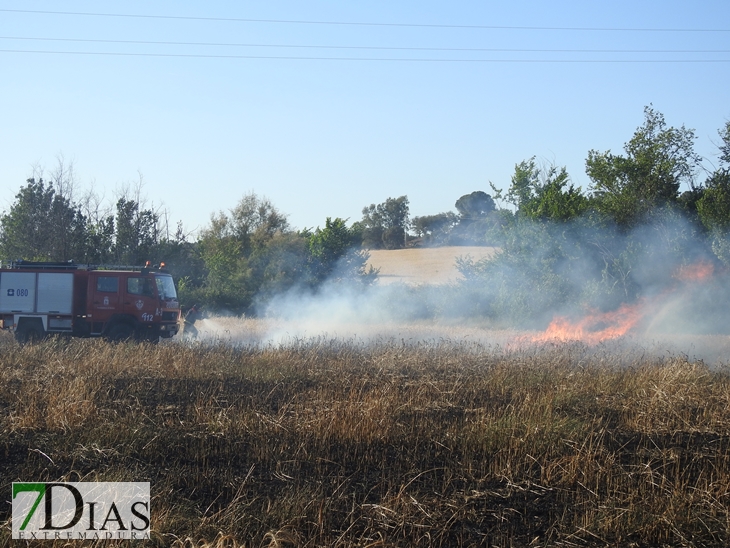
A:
{"points": [[325, 442]]}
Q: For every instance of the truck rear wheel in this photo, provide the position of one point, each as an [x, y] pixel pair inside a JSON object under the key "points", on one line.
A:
{"points": [[29, 332]]}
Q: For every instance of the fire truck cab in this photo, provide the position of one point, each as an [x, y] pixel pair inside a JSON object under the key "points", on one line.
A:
{"points": [[118, 303]]}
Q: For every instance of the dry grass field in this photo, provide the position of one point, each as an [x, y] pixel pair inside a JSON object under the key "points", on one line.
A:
{"points": [[325, 442], [423, 265]]}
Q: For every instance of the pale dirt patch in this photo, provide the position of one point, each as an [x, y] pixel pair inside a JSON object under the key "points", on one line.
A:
{"points": [[424, 265]]}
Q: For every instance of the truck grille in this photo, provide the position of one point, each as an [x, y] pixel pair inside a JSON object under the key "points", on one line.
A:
{"points": [[169, 316]]}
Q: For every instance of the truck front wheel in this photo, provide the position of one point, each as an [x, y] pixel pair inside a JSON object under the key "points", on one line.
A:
{"points": [[120, 332]]}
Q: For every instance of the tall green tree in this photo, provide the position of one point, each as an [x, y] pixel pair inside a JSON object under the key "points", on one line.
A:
{"points": [[250, 254], [42, 225], [334, 254], [546, 193], [255, 220], [477, 221], [435, 229], [278, 265], [475, 206], [658, 160], [222, 253], [385, 225], [556, 199], [525, 180], [183, 259], [713, 207], [137, 233], [100, 239]]}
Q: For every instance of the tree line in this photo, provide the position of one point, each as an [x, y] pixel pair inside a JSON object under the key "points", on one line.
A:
{"points": [[542, 222], [649, 212]]}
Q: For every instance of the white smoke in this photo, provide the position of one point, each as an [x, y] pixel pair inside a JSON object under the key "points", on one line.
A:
{"points": [[679, 317]]}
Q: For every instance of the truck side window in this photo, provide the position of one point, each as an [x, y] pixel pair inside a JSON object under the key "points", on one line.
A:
{"points": [[107, 284], [140, 286]]}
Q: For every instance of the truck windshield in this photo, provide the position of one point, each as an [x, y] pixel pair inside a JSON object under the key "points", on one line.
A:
{"points": [[165, 287]]}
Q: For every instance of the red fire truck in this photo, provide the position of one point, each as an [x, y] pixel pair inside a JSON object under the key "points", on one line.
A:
{"points": [[115, 302]]}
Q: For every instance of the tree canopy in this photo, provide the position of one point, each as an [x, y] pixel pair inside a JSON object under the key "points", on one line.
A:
{"points": [[475, 206], [385, 225], [658, 160], [43, 225]]}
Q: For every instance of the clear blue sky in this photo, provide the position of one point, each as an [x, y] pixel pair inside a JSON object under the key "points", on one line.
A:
{"points": [[323, 137]]}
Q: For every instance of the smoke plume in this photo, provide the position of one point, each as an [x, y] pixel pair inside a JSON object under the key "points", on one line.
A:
{"points": [[658, 287]]}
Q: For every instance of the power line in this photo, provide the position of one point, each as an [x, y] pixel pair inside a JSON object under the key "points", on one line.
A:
{"points": [[394, 59], [359, 23], [378, 48]]}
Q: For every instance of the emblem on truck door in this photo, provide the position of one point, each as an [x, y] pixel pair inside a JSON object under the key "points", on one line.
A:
{"points": [[139, 304], [106, 301]]}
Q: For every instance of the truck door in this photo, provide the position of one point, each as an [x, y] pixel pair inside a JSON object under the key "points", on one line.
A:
{"points": [[17, 292], [104, 293], [140, 298]]}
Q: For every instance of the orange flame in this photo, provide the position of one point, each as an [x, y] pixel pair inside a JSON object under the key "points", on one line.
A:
{"points": [[594, 328], [601, 326], [698, 272]]}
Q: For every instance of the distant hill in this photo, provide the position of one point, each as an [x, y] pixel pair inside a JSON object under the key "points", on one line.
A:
{"points": [[423, 265]]}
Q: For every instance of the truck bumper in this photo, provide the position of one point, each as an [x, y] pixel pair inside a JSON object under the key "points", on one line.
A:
{"points": [[168, 330]]}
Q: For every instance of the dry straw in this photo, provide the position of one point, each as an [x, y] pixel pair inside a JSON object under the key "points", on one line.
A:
{"points": [[326, 442]]}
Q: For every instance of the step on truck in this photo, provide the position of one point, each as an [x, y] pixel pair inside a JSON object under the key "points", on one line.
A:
{"points": [[115, 302]]}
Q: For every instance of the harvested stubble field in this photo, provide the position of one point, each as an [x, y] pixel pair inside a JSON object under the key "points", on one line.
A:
{"points": [[334, 443], [423, 265]]}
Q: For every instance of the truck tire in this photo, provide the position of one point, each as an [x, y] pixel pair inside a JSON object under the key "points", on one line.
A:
{"points": [[148, 337], [29, 332], [120, 332]]}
